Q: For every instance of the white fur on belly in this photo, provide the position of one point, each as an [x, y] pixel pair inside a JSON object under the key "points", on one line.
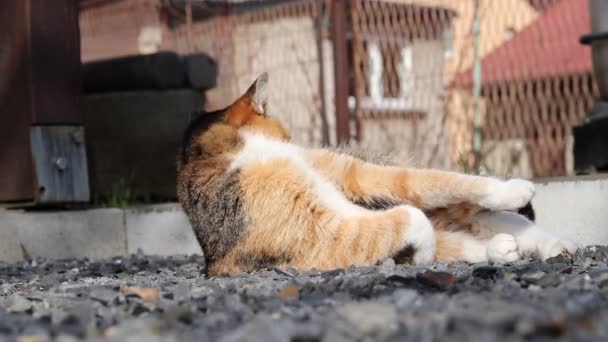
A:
{"points": [[259, 149]]}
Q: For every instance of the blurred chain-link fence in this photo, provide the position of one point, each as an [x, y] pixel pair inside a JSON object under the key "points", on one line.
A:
{"points": [[412, 84]]}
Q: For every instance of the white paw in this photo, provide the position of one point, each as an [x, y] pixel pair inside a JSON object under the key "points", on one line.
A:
{"points": [[508, 195], [421, 235], [554, 247], [503, 248]]}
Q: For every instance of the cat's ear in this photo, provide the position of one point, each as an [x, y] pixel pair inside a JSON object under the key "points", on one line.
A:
{"points": [[252, 103], [258, 92]]}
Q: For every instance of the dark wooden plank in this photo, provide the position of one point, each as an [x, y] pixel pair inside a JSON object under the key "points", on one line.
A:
{"points": [[60, 164], [55, 62], [39, 83], [16, 181]]}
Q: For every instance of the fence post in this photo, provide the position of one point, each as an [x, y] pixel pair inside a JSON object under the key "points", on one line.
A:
{"points": [[476, 92], [41, 120], [341, 69], [320, 24]]}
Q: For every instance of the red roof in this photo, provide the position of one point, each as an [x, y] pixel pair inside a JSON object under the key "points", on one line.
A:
{"points": [[548, 46]]}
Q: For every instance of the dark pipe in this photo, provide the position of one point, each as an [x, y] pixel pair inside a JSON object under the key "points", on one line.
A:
{"points": [[593, 37], [598, 39], [591, 138]]}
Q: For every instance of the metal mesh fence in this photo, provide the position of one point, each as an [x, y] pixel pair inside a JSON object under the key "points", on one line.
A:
{"points": [[413, 80], [282, 39], [415, 63]]}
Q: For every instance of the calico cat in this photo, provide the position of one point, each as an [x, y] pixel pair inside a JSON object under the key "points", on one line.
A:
{"points": [[256, 200]]}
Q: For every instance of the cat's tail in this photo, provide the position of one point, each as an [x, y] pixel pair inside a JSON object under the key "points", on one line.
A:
{"points": [[462, 217], [458, 217]]}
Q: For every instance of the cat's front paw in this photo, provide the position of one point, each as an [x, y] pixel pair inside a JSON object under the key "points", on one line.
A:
{"points": [[503, 248], [508, 195]]}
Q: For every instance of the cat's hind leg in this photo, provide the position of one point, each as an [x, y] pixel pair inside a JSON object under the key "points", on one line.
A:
{"points": [[318, 238], [531, 240], [403, 233], [455, 246], [463, 246], [459, 238], [497, 236]]}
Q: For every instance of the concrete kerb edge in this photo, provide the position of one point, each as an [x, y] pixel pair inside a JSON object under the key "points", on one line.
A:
{"points": [[95, 232]]}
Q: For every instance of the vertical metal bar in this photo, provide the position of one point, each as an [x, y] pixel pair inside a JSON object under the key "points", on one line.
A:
{"points": [[323, 110], [359, 79], [476, 91], [340, 46]]}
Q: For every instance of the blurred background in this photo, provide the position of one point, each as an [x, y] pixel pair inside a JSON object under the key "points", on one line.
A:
{"points": [[483, 86]]}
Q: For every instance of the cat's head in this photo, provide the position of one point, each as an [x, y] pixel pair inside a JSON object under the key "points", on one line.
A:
{"points": [[249, 112], [216, 132]]}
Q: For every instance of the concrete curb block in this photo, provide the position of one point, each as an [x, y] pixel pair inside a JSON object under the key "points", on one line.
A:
{"points": [[96, 233], [160, 230], [575, 208]]}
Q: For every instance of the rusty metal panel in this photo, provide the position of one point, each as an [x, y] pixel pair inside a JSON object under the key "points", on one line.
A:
{"points": [[60, 164]]}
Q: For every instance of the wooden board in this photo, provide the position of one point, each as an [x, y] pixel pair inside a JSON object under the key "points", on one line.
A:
{"points": [[60, 164], [55, 62], [16, 182], [39, 83]]}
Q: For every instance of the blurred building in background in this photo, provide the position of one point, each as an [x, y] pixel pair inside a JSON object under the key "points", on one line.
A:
{"points": [[410, 69], [537, 85]]}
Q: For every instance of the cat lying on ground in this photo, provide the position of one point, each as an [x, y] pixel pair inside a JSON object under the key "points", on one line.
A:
{"points": [[256, 200]]}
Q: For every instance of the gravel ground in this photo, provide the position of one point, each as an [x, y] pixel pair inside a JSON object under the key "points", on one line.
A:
{"points": [[147, 298]]}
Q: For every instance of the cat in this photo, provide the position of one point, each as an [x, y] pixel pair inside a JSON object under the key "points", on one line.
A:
{"points": [[256, 200]]}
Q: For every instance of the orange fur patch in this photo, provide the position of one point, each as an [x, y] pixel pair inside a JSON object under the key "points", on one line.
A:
{"points": [[290, 226], [448, 250]]}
